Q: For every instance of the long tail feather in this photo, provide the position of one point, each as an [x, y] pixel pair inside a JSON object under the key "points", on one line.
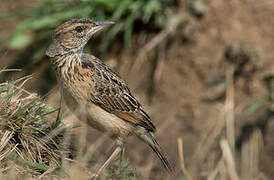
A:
{"points": [[149, 139]]}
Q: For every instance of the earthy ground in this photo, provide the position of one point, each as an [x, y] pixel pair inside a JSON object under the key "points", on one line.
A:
{"points": [[188, 100]]}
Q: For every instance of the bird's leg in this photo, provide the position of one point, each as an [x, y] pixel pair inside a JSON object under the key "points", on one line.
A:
{"points": [[109, 160]]}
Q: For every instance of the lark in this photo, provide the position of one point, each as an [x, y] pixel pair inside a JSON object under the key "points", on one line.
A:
{"points": [[96, 93]]}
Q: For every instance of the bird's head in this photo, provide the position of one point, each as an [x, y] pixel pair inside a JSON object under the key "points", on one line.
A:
{"points": [[73, 34]]}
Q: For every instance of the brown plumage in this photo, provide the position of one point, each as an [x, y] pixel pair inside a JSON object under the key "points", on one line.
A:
{"points": [[93, 91]]}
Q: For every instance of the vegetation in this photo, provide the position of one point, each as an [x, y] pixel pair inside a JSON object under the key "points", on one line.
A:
{"points": [[49, 13], [31, 131], [32, 138], [24, 129], [208, 78]]}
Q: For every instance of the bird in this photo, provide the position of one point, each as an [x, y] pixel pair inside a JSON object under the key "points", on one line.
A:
{"points": [[97, 94]]}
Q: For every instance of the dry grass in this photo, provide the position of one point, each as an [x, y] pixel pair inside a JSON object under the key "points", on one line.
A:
{"points": [[34, 143], [24, 126]]}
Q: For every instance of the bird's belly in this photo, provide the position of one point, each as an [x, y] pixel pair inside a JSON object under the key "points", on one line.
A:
{"points": [[105, 121], [95, 116]]}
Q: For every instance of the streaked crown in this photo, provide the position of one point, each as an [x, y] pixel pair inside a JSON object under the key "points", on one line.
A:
{"points": [[73, 34]]}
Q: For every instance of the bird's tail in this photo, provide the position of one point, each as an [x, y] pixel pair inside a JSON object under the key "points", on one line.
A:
{"points": [[149, 139]]}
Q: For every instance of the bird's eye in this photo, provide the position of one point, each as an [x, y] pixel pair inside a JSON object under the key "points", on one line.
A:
{"points": [[79, 29]]}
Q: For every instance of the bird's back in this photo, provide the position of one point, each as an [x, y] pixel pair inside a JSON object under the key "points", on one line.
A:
{"points": [[111, 93]]}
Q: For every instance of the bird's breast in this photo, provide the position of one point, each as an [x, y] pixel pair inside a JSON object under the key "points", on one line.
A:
{"points": [[95, 116]]}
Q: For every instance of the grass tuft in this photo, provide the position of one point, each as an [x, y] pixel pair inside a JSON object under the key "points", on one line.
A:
{"points": [[24, 124], [34, 140]]}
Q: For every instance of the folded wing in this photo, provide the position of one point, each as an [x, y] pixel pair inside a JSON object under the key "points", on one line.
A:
{"points": [[111, 93]]}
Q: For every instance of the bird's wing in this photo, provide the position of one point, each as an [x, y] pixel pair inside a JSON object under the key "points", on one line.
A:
{"points": [[112, 94]]}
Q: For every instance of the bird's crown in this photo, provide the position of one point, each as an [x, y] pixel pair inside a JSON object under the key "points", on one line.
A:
{"points": [[73, 34]]}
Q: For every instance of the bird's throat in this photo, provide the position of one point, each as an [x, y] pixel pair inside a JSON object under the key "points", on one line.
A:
{"points": [[65, 64]]}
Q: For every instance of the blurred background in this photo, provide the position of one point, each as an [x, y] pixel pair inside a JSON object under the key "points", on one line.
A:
{"points": [[202, 69]]}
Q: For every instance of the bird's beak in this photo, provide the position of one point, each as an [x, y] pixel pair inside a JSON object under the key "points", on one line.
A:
{"points": [[103, 23], [99, 25]]}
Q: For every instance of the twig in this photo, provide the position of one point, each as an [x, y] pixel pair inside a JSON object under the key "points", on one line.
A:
{"points": [[50, 170], [175, 20], [10, 70], [158, 68], [5, 139], [7, 152], [160, 62], [148, 47], [215, 172], [229, 159], [181, 156], [229, 107]]}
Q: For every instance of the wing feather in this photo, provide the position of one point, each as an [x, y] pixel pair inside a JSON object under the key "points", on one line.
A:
{"points": [[112, 94]]}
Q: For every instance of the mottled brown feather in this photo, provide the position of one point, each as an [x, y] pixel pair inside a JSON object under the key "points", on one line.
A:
{"points": [[93, 91], [110, 92]]}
